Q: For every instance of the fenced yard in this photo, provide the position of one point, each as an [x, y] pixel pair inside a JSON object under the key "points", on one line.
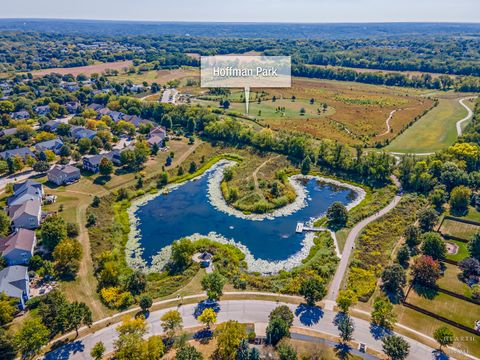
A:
{"points": [[458, 229]]}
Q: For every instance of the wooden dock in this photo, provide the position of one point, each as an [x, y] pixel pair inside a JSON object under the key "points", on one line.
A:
{"points": [[301, 228]]}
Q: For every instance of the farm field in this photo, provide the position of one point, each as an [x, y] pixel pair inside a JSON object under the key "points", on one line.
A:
{"points": [[159, 76], [449, 307], [434, 131], [87, 70], [355, 113], [459, 229]]}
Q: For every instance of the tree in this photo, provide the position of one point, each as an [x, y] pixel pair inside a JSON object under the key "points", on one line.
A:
{"points": [[171, 322], [80, 314], [31, 337], [41, 166], [4, 223], [7, 309], [163, 181], [382, 314], [192, 168], [243, 351], [412, 236], [105, 167], [67, 255], [426, 271], [145, 303], [208, 317], [395, 347], [91, 219], [182, 251], [135, 282], [470, 267], [459, 199], [53, 230], [286, 352], [97, 351], [403, 255], [154, 348], [188, 352], [229, 336], [346, 327], [306, 165], [96, 201], [7, 346], [313, 290], [65, 151], [394, 278], [277, 329], [213, 284], [474, 246], [444, 336], [130, 344], [337, 214], [427, 218], [283, 312], [345, 299], [433, 245]]}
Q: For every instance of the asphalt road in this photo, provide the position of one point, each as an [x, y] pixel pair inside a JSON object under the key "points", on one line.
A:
{"points": [[246, 311]]}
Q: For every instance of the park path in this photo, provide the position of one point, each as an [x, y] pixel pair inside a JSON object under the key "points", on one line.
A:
{"points": [[349, 245], [312, 319], [387, 122], [466, 118], [255, 172]]}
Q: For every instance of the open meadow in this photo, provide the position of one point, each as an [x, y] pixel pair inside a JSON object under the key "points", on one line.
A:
{"points": [[86, 70]]}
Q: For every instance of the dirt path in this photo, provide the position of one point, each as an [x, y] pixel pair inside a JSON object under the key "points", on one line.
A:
{"points": [[255, 172], [181, 159], [387, 122]]}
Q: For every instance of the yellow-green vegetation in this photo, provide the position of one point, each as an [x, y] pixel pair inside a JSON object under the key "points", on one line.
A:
{"points": [[375, 244], [432, 132], [259, 183], [351, 113]]}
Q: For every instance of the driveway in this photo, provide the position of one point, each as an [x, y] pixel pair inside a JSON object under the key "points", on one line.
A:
{"points": [[246, 311]]}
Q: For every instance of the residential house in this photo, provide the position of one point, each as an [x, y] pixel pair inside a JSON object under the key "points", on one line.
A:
{"points": [[137, 88], [20, 115], [17, 248], [42, 110], [156, 136], [20, 187], [92, 163], [70, 86], [27, 215], [54, 145], [27, 193], [95, 107], [14, 282], [135, 120], [169, 96], [52, 125], [22, 152], [63, 174], [79, 132], [6, 132], [72, 106]]}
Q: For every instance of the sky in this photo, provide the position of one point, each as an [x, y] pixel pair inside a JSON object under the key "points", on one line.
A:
{"points": [[248, 10]]}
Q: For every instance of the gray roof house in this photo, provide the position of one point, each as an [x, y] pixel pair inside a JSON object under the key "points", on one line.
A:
{"points": [[92, 163], [27, 215], [63, 174], [52, 125], [17, 248], [54, 145], [20, 187], [79, 132], [20, 115], [28, 193], [9, 131], [22, 152], [42, 110], [72, 106], [14, 282], [95, 107]]}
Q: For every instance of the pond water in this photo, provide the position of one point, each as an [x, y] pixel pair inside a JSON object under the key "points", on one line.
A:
{"points": [[187, 210]]}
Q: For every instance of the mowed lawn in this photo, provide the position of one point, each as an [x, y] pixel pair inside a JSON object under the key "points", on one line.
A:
{"points": [[459, 229], [434, 131]]}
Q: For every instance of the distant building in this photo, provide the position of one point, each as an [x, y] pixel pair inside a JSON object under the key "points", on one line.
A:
{"points": [[27, 215], [20, 115], [169, 96], [79, 132], [54, 145], [63, 174], [52, 125], [6, 132], [95, 107], [22, 152], [92, 163], [72, 106], [17, 248], [14, 282], [42, 110]]}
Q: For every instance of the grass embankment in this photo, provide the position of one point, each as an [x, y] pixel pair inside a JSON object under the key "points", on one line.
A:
{"points": [[432, 132]]}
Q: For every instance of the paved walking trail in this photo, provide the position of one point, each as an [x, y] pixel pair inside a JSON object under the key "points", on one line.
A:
{"points": [[349, 244], [466, 118], [247, 311]]}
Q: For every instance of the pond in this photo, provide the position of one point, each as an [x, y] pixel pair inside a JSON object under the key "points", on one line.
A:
{"points": [[188, 210]]}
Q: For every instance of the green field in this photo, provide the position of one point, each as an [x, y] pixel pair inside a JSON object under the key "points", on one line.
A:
{"points": [[434, 131], [459, 229], [462, 252]]}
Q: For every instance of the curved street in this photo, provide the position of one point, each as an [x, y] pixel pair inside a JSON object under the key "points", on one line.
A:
{"points": [[245, 311]]}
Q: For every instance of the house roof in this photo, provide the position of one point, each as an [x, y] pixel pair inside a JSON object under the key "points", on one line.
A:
{"points": [[10, 131], [96, 159], [12, 280], [59, 170], [81, 132], [22, 239], [30, 207], [30, 192], [22, 152], [20, 187], [95, 107], [49, 144]]}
